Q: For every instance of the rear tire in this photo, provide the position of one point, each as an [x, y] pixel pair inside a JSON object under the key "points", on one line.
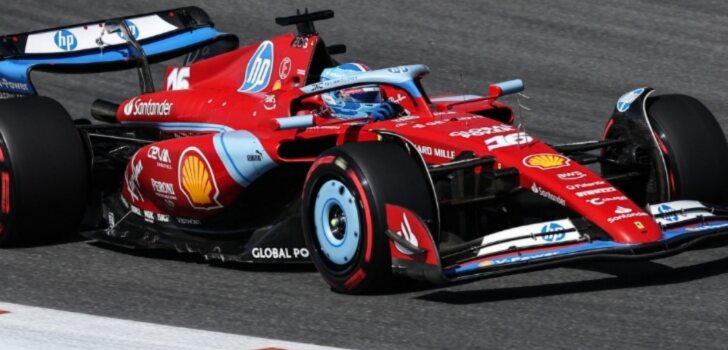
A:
{"points": [[44, 172], [343, 211]]}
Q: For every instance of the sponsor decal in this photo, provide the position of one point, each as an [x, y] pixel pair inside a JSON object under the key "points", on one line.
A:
{"points": [[626, 100], [432, 123], [162, 217], [197, 180], [590, 193], [136, 210], [546, 194], [133, 29], [500, 141], [555, 237], [405, 118], [396, 70], [397, 99], [664, 208], [514, 259], [545, 161], [279, 253], [169, 203], [622, 210], [571, 175], [620, 217], [600, 201], [269, 102], [436, 152], [65, 40], [300, 42], [137, 107], [585, 185], [258, 71], [179, 79], [257, 157], [6, 95], [132, 180], [639, 225], [12, 85], [300, 71], [188, 221], [148, 216], [284, 68], [323, 85], [405, 231], [161, 156], [482, 131], [164, 189]]}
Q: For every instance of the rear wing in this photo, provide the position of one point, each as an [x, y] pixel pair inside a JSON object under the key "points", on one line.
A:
{"points": [[108, 45]]}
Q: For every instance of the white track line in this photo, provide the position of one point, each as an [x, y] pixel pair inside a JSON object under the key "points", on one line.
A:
{"points": [[26, 327]]}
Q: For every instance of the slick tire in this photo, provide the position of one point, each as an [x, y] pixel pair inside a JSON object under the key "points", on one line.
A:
{"points": [[690, 141], [343, 213], [694, 147], [44, 172]]}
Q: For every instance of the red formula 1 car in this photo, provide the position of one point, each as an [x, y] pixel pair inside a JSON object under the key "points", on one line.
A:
{"points": [[238, 158]]}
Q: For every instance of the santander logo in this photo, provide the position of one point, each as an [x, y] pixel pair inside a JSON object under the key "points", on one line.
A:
{"points": [[129, 107], [136, 106]]}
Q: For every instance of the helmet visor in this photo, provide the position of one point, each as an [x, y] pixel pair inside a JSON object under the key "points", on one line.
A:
{"points": [[362, 94]]}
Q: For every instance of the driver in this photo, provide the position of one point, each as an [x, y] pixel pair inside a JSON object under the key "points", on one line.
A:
{"points": [[359, 101]]}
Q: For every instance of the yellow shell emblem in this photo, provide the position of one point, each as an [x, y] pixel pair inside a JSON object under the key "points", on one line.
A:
{"points": [[546, 161], [198, 183]]}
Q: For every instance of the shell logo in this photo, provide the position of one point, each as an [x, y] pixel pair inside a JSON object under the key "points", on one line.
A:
{"points": [[546, 161], [197, 180]]}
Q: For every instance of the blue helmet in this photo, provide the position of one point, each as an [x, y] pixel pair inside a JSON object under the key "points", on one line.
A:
{"points": [[352, 102]]}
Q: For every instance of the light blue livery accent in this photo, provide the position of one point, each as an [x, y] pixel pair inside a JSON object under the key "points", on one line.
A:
{"points": [[297, 122], [626, 100], [173, 126], [510, 86], [243, 155], [337, 222], [402, 77], [258, 71]]}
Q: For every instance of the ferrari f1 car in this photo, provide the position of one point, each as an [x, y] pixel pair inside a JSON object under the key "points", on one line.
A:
{"points": [[230, 160]]}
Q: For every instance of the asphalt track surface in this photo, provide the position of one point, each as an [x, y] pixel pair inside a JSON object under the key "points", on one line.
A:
{"points": [[576, 58]]}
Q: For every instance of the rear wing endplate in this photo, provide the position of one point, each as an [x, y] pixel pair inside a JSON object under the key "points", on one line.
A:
{"points": [[108, 45]]}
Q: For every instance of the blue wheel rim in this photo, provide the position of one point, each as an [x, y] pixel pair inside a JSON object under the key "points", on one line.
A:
{"points": [[337, 222]]}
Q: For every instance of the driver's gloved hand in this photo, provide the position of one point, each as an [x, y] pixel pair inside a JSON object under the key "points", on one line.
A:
{"points": [[386, 110]]}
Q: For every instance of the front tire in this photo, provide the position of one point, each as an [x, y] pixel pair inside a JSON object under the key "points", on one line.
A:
{"points": [[343, 211], [690, 141]]}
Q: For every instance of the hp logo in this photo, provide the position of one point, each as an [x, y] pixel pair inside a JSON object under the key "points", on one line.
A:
{"points": [[258, 71], [132, 28], [65, 40]]}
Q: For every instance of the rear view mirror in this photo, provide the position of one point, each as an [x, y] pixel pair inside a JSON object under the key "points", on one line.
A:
{"points": [[505, 88]]}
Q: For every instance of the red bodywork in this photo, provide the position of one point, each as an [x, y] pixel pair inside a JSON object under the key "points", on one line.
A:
{"points": [[186, 176]]}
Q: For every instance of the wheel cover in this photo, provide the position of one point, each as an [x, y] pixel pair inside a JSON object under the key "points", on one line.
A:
{"points": [[337, 222]]}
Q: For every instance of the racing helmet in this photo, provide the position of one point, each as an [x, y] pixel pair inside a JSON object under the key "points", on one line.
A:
{"points": [[351, 102]]}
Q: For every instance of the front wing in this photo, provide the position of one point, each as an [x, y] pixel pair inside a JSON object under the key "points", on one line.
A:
{"points": [[684, 224]]}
